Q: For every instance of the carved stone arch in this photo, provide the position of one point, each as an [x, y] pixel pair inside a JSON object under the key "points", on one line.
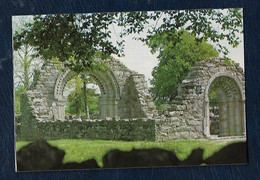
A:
{"points": [[61, 82], [230, 78], [108, 86], [231, 105]]}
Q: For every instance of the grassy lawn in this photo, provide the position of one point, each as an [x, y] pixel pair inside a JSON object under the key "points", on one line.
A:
{"points": [[78, 150]]}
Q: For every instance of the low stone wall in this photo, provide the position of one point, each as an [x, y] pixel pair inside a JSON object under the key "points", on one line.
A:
{"points": [[176, 128], [127, 130]]}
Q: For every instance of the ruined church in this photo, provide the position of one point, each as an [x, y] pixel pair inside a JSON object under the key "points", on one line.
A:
{"points": [[127, 111]]}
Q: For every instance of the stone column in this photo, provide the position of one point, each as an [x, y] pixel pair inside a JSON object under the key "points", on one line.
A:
{"points": [[239, 116], [108, 107], [116, 108], [61, 109], [102, 108], [222, 118], [112, 105], [243, 117], [230, 118], [206, 124]]}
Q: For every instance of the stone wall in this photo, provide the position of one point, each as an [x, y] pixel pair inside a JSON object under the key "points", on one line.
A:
{"points": [[174, 128], [47, 103], [135, 101], [189, 111], [187, 118], [126, 130]]}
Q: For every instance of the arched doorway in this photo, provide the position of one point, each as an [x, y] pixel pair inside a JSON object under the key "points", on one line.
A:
{"points": [[227, 116], [82, 96], [109, 94]]}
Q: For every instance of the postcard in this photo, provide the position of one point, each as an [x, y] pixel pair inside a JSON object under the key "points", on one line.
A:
{"points": [[129, 89]]}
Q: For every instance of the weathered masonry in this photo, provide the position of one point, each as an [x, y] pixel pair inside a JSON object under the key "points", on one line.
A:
{"points": [[190, 116], [127, 111], [124, 93]]}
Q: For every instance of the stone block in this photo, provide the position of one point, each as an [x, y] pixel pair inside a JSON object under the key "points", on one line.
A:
{"points": [[177, 107]]}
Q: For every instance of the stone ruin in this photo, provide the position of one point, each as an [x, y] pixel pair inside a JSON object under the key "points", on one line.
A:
{"points": [[189, 114], [124, 93], [126, 108]]}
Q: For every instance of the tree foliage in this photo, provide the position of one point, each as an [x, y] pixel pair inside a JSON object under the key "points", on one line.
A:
{"points": [[213, 99], [25, 64], [76, 104], [175, 61], [18, 91], [74, 39], [24, 58], [204, 24], [82, 99]]}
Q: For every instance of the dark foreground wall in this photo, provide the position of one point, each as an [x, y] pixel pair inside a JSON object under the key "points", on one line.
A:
{"points": [[127, 130], [40, 155]]}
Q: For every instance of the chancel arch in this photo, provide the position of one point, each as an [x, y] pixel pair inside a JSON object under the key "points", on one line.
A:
{"points": [[108, 100]]}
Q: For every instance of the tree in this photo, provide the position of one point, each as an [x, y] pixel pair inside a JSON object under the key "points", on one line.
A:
{"points": [[81, 99], [175, 61], [214, 25], [25, 64], [213, 99], [74, 39], [18, 91], [24, 59]]}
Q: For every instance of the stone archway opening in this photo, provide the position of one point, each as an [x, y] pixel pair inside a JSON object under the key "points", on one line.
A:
{"points": [[108, 99], [82, 95], [224, 108], [214, 113]]}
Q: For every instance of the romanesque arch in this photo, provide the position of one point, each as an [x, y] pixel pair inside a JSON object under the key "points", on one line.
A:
{"points": [[231, 105], [108, 86]]}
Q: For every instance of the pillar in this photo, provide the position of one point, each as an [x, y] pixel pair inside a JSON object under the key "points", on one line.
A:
{"points": [[238, 117], [243, 117], [108, 107], [230, 118], [61, 109], [222, 118], [206, 124]]}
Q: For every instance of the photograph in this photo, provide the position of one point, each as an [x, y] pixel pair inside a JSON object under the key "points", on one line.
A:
{"points": [[129, 89]]}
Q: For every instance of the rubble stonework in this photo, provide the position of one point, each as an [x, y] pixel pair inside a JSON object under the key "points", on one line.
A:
{"points": [[126, 130], [47, 103], [189, 114], [127, 109]]}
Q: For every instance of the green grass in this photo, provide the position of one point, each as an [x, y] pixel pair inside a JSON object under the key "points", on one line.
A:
{"points": [[78, 150]]}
